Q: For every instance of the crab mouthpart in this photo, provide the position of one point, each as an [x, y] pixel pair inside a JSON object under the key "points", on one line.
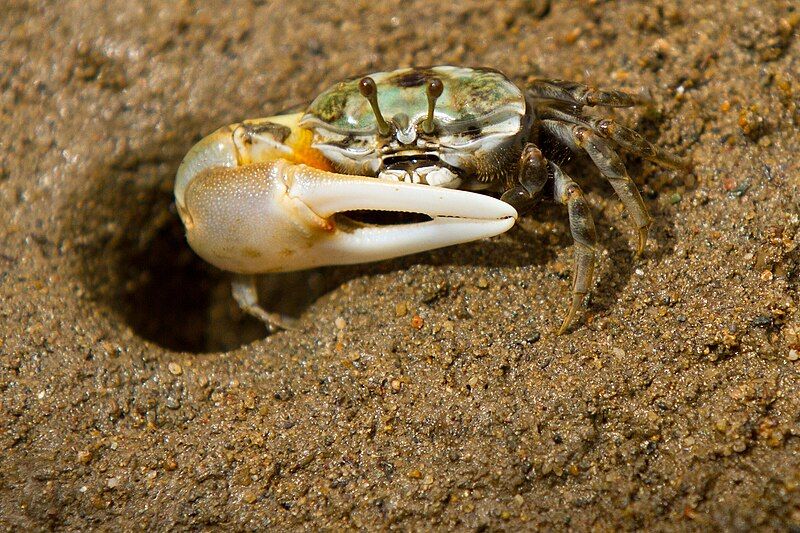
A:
{"points": [[410, 160], [419, 167]]}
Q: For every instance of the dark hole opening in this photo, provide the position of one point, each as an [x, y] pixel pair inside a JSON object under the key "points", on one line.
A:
{"points": [[176, 300], [132, 254], [167, 294], [167, 291]]}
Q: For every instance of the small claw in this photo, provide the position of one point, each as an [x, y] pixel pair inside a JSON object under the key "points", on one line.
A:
{"points": [[577, 299], [243, 289]]}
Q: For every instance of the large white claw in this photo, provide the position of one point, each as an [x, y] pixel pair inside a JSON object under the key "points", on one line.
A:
{"points": [[278, 216]]}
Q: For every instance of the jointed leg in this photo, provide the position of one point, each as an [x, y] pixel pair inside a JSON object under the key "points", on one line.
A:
{"points": [[243, 288], [610, 165], [562, 101], [581, 226], [578, 94], [534, 172], [630, 141], [625, 138], [558, 108]]}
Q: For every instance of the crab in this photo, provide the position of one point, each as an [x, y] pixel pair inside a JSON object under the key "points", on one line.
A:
{"points": [[461, 152]]}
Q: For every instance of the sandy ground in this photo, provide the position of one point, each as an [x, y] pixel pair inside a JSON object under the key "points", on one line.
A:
{"points": [[429, 391]]}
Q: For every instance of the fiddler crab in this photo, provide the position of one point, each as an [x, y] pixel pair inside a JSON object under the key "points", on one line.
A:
{"points": [[298, 191]]}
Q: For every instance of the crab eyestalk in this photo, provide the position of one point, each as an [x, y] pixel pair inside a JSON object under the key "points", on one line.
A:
{"points": [[369, 91], [433, 92]]}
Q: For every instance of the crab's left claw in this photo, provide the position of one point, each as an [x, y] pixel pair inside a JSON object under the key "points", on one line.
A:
{"points": [[278, 216], [269, 214]]}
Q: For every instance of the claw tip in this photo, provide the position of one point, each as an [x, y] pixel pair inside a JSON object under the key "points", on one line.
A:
{"points": [[573, 308], [642, 241]]}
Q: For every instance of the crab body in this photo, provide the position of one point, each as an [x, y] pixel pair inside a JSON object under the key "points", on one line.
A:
{"points": [[284, 193], [481, 123]]}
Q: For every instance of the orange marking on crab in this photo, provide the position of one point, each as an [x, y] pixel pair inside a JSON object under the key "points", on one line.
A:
{"points": [[300, 143]]}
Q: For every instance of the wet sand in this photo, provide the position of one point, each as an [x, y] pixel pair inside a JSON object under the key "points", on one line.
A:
{"points": [[428, 391]]}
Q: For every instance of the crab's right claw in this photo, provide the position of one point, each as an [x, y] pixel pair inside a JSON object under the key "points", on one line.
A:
{"points": [[277, 216]]}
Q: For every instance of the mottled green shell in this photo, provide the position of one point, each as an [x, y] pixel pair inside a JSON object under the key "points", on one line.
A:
{"points": [[469, 96]]}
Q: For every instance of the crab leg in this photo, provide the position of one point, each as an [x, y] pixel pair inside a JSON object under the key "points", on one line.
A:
{"points": [[630, 141], [581, 225], [243, 289], [625, 138], [579, 94], [534, 173], [532, 179], [611, 167]]}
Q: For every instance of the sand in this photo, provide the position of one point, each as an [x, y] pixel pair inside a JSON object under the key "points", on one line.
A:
{"points": [[425, 392]]}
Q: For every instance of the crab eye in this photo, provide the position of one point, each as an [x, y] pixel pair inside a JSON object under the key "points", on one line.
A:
{"points": [[433, 91], [369, 90]]}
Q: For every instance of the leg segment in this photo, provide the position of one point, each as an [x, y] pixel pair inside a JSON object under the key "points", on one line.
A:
{"points": [[581, 226], [630, 141], [243, 288], [625, 138], [610, 165], [574, 93]]}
